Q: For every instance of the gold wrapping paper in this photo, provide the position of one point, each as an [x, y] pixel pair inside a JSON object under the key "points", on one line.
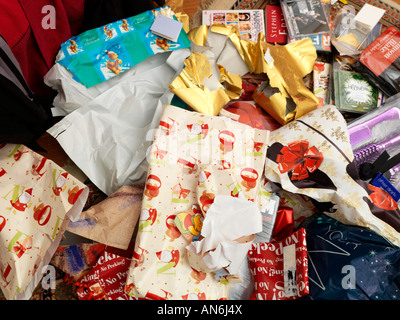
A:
{"points": [[199, 35], [184, 18], [233, 83], [285, 66], [189, 86]]}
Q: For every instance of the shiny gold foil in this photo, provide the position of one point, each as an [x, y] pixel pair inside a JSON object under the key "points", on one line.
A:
{"points": [[199, 35], [189, 86], [177, 7], [232, 82], [285, 67], [184, 18]]}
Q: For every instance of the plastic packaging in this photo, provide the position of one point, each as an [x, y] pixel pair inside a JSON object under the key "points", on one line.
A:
{"points": [[305, 17], [348, 35], [375, 141], [376, 126], [380, 62]]}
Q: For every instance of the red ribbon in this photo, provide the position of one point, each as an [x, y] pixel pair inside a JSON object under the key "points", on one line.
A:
{"points": [[3, 223], [296, 156], [183, 193], [172, 226], [160, 154], [186, 163], [382, 198]]}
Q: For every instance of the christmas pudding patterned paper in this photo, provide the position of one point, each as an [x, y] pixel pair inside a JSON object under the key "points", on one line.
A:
{"points": [[36, 199], [189, 150]]}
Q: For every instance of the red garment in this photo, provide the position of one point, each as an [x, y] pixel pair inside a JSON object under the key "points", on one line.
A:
{"points": [[34, 47]]}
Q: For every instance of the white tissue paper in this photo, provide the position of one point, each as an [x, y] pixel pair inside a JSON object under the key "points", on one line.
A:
{"points": [[227, 219], [108, 128]]}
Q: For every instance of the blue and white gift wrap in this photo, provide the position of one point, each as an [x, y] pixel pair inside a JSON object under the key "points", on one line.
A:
{"points": [[99, 54]]}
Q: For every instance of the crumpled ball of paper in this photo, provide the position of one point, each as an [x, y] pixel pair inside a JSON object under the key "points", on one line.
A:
{"points": [[227, 234]]}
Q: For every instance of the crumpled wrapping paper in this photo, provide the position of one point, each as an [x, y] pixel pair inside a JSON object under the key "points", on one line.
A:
{"points": [[76, 260], [268, 265], [284, 96], [106, 279], [113, 121], [97, 55], [212, 75], [293, 209], [188, 149], [226, 235], [312, 156], [113, 220], [38, 199], [190, 88]]}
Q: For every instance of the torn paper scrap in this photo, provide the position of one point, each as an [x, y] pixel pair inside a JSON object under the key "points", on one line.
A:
{"points": [[228, 219], [113, 220]]}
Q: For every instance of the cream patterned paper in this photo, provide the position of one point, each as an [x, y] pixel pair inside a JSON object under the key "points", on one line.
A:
{"points": [[193, 158], [324, 133], [37, 198]]}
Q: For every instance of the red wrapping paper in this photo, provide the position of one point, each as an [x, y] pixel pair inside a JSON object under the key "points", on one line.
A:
{"points": [[284, 224], [252, 114], [106, 280], [381, 198], [266, 261]]}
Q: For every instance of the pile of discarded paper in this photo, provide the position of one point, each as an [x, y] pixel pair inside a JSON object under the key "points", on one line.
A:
{"points": [[255, 156]]}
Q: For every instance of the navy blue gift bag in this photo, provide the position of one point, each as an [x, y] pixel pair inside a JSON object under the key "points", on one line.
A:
{"points": [[378, 276], [350, 262]]}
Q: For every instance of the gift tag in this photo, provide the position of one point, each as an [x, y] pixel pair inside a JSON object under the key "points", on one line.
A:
{"points": [[166, 27]]}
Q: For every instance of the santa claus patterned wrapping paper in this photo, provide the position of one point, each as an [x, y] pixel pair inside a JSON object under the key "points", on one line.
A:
{"points": [[189, 149], [37, 199]]}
